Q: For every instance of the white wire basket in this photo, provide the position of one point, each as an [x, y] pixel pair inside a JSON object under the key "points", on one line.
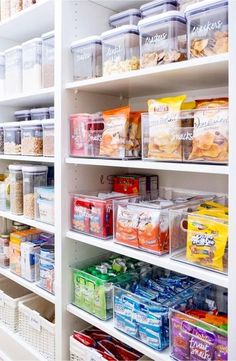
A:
{"points": [[10, 295], [37, 325]]}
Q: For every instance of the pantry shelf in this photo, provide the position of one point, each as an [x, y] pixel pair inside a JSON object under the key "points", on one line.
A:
{"points": [[26, 158], [191, 74], [30, 222], [38, 98], [108, 326]]}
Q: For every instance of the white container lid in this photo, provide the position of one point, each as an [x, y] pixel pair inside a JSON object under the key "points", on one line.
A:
{"points": [[17, 47], [34, 168], [48, 35], [204, 5], [29, 123], [39, 110], [120, 30], [157, 3], [124, 14], [10, 125], [48, 122], [15, 167], [35, 40], [19, 112], [169, 15], [89, 40]]}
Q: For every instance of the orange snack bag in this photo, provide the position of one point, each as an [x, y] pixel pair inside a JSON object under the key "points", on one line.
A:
{"points": [[126, 226]]}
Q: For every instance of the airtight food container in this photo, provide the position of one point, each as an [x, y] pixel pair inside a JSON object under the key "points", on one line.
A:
{"points": [[39, 113], [21, 115], [127, 17], [48, 138], [48, 59], [32, 65], [157, 7], [12, 138], [13, 68], [32, 138]]}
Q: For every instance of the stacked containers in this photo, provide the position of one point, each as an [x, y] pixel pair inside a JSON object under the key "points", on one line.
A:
{"points": [[127, 17], [12, 138], [13, 64], [2, 75], [39, 113], [16, 189], [48, 59], [48, 138], [32, 138], [22, 115], [32, 64], [157, 7]]}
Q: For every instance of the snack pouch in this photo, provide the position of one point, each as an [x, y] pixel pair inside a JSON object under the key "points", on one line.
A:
{"points": [[202, 345], [206, 241], [164, 141], [180, 332], [133, 141], [126, 226]]}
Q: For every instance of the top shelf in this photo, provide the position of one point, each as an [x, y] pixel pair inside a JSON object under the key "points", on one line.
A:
{"points": [[208, 72]]}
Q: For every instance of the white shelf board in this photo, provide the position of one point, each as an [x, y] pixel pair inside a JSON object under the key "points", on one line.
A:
{"points": [[119, 5], [26, 158], [29, 23], [29, 285], [30, 222], [161, 261], [108, 326], [139, 164], [208, 72], [41, 97]]}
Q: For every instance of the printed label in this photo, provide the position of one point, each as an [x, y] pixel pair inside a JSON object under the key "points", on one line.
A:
{"points": [[113, 53], [34, 321], [203, 30]]}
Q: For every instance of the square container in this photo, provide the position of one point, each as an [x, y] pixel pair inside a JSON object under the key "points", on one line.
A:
{"points": [[29, 266], [39, 113], [127, 17], [32, 65], [46, 265], [5, 9], [5, 194], [87, 58], [21, 115], [44, 204], [13, 66], [1, 140], [157, 7], [2, 75], [12, 138], [32, 138], [207, 28], [48, 138], [120, 50], [48, 59], [162, 39], [4, 250], [51, 112]]}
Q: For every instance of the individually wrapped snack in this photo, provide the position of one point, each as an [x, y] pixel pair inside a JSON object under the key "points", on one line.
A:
{"points": [[126, 226]]}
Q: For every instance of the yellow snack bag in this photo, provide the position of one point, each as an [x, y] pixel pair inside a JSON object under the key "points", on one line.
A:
{"points": [[213, 205], [206, 241], [217, 213]]}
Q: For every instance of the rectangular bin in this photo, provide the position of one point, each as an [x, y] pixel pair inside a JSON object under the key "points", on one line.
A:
{"points": [[127, 17], [12, 138], [163, 39], [207, 24], [157, 7], [32, 65], [44, 204], [46, 269], [32, 138], [13, 68], [48, 138]]}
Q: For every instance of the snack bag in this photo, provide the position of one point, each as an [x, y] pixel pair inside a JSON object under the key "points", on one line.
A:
{"points": [[164, 141], [133, 141], [206, 241], [210, 134], [126, 226]]}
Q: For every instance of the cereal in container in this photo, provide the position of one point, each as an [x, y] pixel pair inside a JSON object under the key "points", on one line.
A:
{"points": [[32, 138], [12, 138], [16, 189], [48, 138]]}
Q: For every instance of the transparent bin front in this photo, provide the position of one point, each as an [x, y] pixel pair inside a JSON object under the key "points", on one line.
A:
{"points": [[39, 113], [16, 189], [13, 66], [46, 273], [32, 65], [44, 204], [162, 39], [157, 7], [207, 28], [127, 17], [12, 139], [48, 59], [120, 50], [31, 138], [48, 139], [87, 58]]}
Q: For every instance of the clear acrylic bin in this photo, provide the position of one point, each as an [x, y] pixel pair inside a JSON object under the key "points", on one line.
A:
{"points": [[127, 17], [120, 50], [44, 204], [32, 65], [48, 59], [207, 24], [46, 273], [87, 58], [12, 138], [48, 138], [163, 39], [157, 7], [32, 138], [13, 66]]}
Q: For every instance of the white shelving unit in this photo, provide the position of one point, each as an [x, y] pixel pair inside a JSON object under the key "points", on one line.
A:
{"points": [[200, 77]]}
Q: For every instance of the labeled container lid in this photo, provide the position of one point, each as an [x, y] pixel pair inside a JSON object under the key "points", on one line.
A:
{"points": [[32, 41], [17, 167], [124, 14], [124, 29], [204, 6], [34, 168], [160, 18], [14, 48], [85, 41], [48, 35], [157, 3]]}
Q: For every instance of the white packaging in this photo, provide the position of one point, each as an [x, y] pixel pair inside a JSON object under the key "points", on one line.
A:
{"points": [[13, 66], [32, 65], [29, 260]]}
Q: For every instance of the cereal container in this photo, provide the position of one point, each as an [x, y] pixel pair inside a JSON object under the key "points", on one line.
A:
{"points": [[12, 138], [33, 176], [16, 6], [87, 58], [39, 113], [32, 64], [48, 138], [28, 3], [21, 115], [13, 66], [1, 140], [120, 50], [157, 7], [2, 75], [48, 59], [162, 39], [207, 24], [4, 250], [127, 17], [5, 9], [16, 189], [32, 138]]}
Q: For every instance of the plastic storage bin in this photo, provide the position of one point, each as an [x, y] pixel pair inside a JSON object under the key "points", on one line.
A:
{"points": [[5, 195], [120, 50], [1, 140], [4, 250], [12, 138], [46, 266], [21, 115], [13, 66], [2, 75], [11, 294], [207, 28], [48, 59], [37, 325], [163, 39], [157, 7], [33, 176], [44, 204], [87, 58], [184, 3], [32, 65], [32, 138], [16, 189], [127, 17], [5, 9], [48, 138], [39, 113]]}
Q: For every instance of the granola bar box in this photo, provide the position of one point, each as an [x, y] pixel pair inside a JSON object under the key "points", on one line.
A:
{"points": [[163, 39], [207, 24]]}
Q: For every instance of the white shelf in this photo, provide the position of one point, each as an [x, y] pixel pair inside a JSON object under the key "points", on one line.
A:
{"points": [[119, 5], [161, 261], [29, 285], [41, 97], [108, 326], [29, 23], [30, 222], [26, 158], [139, 164], [208, 72]]}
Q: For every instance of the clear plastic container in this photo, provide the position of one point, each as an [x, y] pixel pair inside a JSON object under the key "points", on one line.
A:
{"points": [[21, 115], [4, 250], [39, 113], [5, 195], [13, 66], [33, 176], [163, 39], [184, 3], [28, 3], [157, 7], [207, 28], [16, 6], [46, 264], [1, 140], [5, 9], [51, 112], [44, 204], [32, 65], [48, 59], [48, 138], [32, 138], [127, 17], [12, 138], [120, 50], [2, 75], [87, 58], [16, 189]]}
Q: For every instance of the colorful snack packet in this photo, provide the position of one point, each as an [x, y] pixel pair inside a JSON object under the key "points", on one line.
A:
{"points": [[126, 226]]}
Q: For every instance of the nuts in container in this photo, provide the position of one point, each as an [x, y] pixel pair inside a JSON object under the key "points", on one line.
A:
{"points": [[12, 138], [31, 138], [48, 138]]}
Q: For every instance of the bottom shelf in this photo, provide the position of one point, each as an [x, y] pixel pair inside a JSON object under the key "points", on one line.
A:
{"points": [[108, 326]]}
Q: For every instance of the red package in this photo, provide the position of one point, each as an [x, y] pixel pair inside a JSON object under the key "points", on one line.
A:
{"points": [[130, 184], [80, 214]]}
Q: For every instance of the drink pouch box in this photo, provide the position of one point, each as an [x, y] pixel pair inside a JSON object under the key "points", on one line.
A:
{"points": [[130, 184]]}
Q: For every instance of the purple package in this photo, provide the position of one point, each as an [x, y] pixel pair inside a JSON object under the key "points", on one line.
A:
{"points": [[202, 345], [221, 349], [180, 333], [47, 237]]}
